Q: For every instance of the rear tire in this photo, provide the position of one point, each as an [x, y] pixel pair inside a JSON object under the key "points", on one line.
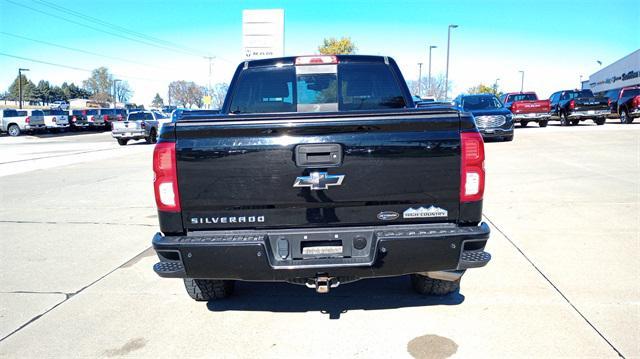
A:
{"points": [[203, 290], [524, 123], [13, 130], [575, 122], [600, 121], [429, 286], [152, 138], [625, 118], [564, 119], [122, 141], [543, 123]]}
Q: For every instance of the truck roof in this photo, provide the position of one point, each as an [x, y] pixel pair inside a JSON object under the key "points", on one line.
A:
{"points": [[291, 60]]}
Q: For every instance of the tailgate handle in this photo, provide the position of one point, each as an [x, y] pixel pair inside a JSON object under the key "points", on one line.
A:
{"points": [[323, 155]]}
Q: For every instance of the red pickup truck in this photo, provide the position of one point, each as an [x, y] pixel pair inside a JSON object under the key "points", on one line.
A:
{"points": [[526, 108]]}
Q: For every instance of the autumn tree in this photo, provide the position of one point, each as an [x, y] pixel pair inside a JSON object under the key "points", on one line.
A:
{"points": [[434, 88], [333, 46], [123, 91], [186, 93], [481, 88], [100, 85], [218, 94]]}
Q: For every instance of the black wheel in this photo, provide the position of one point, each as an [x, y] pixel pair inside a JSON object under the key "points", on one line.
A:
{"points": [[122, 141], [13, 130], [152, 138], [625, 118], [575, 122], [600, 121], [564, 119], [524, 123], [543, 123], [426, 285], [203, 290]]}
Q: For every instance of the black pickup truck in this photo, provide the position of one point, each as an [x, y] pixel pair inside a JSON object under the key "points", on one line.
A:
{"points": [[319, 170], [573, 106]]}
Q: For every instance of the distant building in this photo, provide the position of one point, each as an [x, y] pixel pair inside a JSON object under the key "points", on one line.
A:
{"points": [[622, 73]]}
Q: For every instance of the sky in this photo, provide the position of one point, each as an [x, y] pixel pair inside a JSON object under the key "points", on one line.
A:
{"points": [[553, 42]]}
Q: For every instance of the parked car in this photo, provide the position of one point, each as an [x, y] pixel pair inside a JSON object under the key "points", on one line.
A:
{"points": [[110, 115], [492, 118], [138, 125], [56, 120], [319, 171], [627, 105], [78, 119], [95, 120], [526, 108], [59, 105], [612, 99], [573, 106], [14, 122]]}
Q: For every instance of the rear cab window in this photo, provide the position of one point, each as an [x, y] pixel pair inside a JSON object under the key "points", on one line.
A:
{"points": [[136, 116], [331, 87]]}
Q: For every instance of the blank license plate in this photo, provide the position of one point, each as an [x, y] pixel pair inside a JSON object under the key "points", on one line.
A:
{"points": [[591, 112], [322, 250]]}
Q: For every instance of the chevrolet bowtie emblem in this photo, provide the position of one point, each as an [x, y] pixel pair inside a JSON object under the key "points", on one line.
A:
{"points": [[318, 181]]}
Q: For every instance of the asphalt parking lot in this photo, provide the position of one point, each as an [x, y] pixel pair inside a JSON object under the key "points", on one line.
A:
{"points": [[77, 215]]}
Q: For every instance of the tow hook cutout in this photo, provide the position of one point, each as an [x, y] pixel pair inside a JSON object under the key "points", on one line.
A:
{"points": [[322, 283]]}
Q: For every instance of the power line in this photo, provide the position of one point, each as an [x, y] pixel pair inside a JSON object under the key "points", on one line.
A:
{"points": [[73, 67], [81, 51], [118, 27], [98, 29]]}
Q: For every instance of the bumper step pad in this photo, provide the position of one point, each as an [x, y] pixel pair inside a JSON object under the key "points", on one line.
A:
{"points": [[473, 259], [169, 269]]}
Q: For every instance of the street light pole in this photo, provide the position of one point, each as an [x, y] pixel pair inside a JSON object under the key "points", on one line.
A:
{"points": [[419, 77], [429, 78], [521, 81], [115, 92], [446, 76], [210, 58], [20, 86], [495, 86]]}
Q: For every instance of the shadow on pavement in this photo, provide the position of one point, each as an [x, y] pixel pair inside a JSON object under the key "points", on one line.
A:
{"points": [[367, 294]]}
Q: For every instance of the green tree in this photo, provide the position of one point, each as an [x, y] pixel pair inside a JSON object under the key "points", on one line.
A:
{"points": [[28, 89], [100, 84], [333, 46], [483, 89], [157, 101], [42, 92]]}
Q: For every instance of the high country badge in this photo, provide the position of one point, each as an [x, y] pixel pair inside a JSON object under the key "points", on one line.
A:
{"points": [[422, 212]]}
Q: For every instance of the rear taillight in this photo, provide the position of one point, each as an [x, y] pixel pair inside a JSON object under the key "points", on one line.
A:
{"points": [[27, 120], [609, 102], [636, 101], [73, 119], [572, 104], [472, 167], [165, 180], [105, 118]]}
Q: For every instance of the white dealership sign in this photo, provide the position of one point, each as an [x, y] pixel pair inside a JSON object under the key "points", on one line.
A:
{"points": [[624, 72], [262, 34]]}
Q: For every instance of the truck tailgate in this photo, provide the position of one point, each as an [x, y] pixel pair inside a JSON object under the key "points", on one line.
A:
{"points": [[237, 172], [537, 106]]}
